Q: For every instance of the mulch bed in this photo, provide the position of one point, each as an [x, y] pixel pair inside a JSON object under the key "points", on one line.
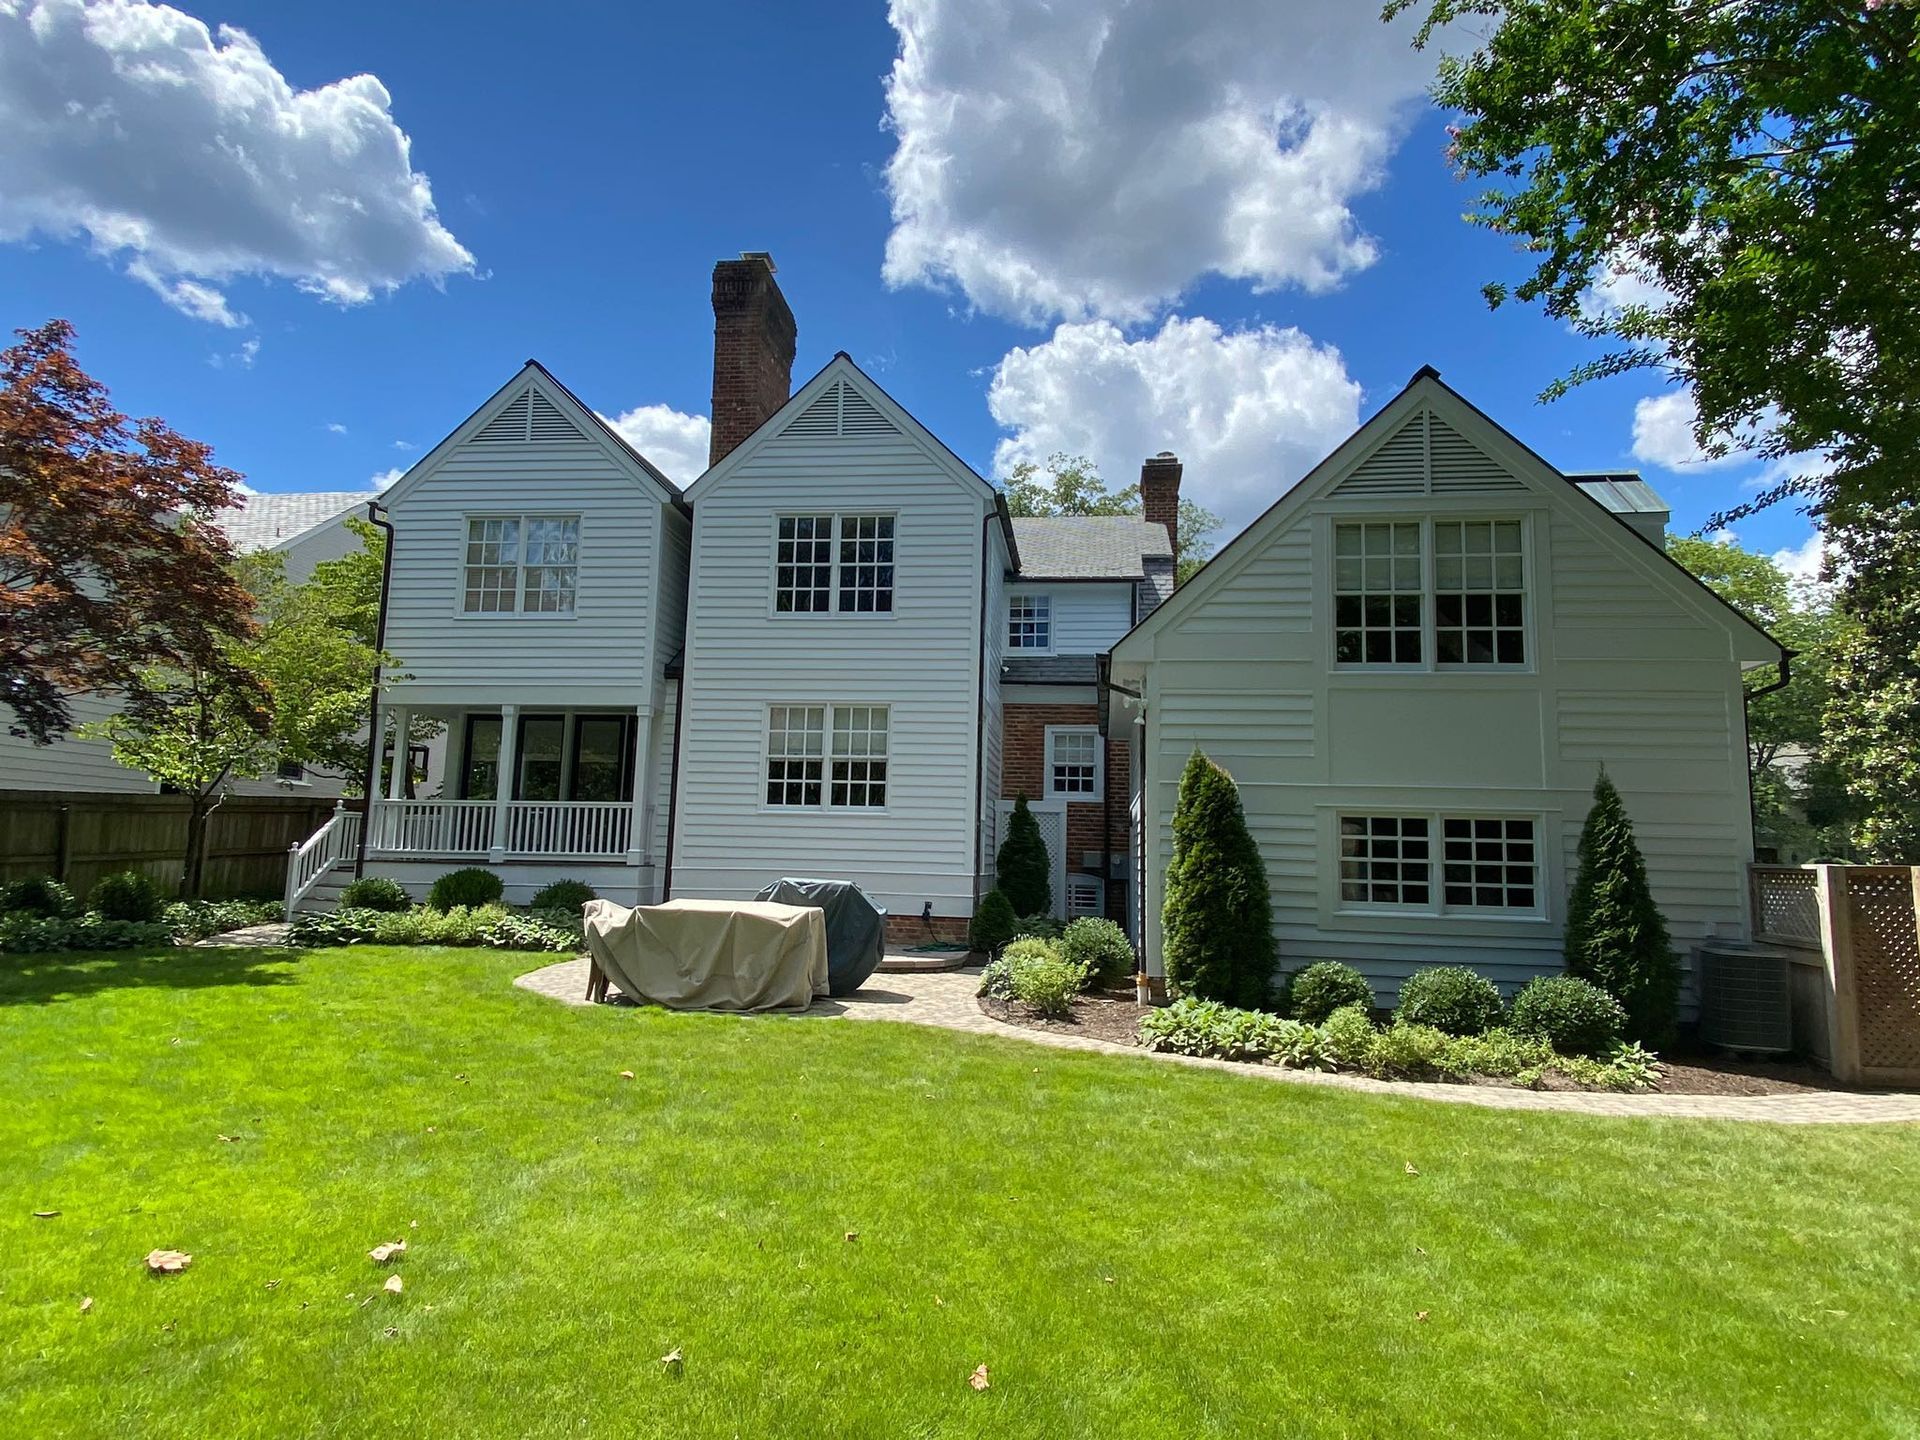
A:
{"points": [[1116, 1017]]}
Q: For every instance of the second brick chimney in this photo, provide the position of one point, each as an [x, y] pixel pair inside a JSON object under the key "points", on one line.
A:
{"points": [[1160, 494], [753, 343]]}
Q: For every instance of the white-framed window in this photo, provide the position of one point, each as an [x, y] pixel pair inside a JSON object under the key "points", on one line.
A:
{"points": [[527, 564], [827, 755], [1486, 864], [1030, 622], [1075, 763], [823, 563], [1436, 593]]}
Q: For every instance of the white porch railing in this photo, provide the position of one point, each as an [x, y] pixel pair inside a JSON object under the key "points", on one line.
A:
{"points": [[534, 829], [310, 860]]}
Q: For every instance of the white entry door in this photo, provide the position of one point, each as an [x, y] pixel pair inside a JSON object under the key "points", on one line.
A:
{"points": [[1052, 815]]}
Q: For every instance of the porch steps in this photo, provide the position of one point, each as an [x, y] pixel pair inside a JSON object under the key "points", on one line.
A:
{"points": [[907, 963], [324, 898]]}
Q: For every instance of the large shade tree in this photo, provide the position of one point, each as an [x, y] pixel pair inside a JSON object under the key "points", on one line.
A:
{"points": [[112, 570]]}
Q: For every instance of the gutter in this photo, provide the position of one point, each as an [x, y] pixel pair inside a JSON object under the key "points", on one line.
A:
{"points": [[998, 513], [375, 517], [1747, 698], [680, 715]]}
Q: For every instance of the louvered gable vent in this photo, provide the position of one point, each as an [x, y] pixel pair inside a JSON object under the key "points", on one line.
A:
{"points": [[530, 418], [1427, 456], [510, 424], [548, 426], [840, 410]]}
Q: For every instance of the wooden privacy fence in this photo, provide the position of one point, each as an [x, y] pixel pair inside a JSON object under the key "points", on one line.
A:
{"points": [[1852, 932], [78, 836]]}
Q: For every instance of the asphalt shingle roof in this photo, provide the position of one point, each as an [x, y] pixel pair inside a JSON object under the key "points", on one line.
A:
{"points": [[1049, 670], [1087, 547], [260, 522]]}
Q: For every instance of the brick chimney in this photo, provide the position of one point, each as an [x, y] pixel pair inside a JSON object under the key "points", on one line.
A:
{"points": [[1160, 493], [753, 338]]}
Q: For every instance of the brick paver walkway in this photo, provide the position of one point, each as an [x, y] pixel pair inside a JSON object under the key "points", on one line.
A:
{"points": [[946, 1001]]}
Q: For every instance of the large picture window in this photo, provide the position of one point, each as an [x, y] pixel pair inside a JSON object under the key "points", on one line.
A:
{"points": [[827, 562], [831, 755], [1486, 863], [1445, 593], [521, 564]]}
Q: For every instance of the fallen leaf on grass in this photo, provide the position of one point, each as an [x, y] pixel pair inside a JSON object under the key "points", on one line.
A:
{"points": [[852, 1235], [626, 1074], [167, 1262], [938, 1301], [1109, 1279], [978, 1380], [46, 1214], [382, 1253], [229, 1138], [672, 1359], [86, 1304], [413, 1224], [394, 1285], [391, 1331], [1410, 1168], [1420, 1315]]}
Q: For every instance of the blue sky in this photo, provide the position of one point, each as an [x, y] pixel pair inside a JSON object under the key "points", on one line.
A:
{"points": [[1301, 228]]}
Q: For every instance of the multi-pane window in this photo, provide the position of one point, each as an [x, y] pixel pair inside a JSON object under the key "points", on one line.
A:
{"points": [[1073, 763], [528, 563], [859, 756], [796, 746], [824, 562], [1485, 863], [1030, 622], [1377, 593], [1488, 864], [1479, 593], [1385, 860], [803, 564]]}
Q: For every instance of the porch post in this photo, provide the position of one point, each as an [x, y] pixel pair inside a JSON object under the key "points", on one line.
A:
{"points": [[637, 836], [397, 772], [503, 787]]}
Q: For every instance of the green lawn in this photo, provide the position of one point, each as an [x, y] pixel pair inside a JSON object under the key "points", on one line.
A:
{"points": [[1133, 1248]]}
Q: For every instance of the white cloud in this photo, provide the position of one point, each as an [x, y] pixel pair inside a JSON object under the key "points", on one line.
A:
{"points": [[675, 442], [187, 155], [336, 428], [1249, 412], [405, 445], [1096, 157], [1802, 562], [1663, 434], [386, 478]]}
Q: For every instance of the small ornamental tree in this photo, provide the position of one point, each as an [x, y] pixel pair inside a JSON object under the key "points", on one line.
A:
{"points": [[1025, 872], [1217, 922], [1616, 936]]}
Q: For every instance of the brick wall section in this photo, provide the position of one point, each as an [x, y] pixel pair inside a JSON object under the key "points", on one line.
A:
{"points": [[906, 930], [1160, 494], [1023, 772], [753, 344]]}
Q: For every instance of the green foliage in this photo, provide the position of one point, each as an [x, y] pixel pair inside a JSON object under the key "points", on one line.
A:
{"points": [[1616, 936], [1346, 1037], [1573, 1015], [529, 932], [564, 895], [23, 933], [1100, 948], [1450, 998], [1499, 1053], [1024, 871], [996, 980], [1030, 947], [375, 892], [490, 925], [1071, 485], [1217, 922], [1206, 1027], [1046, 983], [1044, 927], [129, 895], [1324, 987], [992, 924], [1406, 1051], [190, 920], [1745, 169], [469, 886], [39, 895]]}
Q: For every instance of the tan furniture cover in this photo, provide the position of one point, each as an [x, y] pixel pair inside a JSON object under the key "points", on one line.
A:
{"points": [[711, 954]]}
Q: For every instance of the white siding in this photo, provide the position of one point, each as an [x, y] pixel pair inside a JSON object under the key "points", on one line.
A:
{"points": [[993, 728], [1087, 617], [70, 763], [922, 661]]}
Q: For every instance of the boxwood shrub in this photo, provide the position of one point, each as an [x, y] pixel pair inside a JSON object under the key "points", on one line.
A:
{"points": [[130, 896], [564, 895], [1324, 987], [1575, 1016], [39, 895], [1451, 998], [376, 892], [1101, 949], [993, 923], [469, 887]]}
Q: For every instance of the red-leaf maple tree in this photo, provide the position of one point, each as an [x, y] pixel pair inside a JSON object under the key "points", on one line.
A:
{"points": [[110, 561]]}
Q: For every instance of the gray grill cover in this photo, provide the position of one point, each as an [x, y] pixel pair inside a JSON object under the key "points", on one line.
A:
{"points": [[856, 927]]}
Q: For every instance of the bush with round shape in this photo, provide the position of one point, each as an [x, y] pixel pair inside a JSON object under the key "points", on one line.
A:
{"points": [[1574, 1016], [1101, 948], [1044, 982], [376, 892], [993, 923], [469, 887], [1346, 1037], [564, 895], [1450, 998], [1324, 987], [40, 895], [130, 896]]}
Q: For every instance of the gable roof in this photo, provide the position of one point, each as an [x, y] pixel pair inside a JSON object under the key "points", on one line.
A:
{"points": [[1375, 459], [1088, 547], [266, 522]]}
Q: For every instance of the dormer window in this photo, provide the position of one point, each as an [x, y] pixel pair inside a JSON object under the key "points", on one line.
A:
{"points": [[1030, 623], [827, 562]]}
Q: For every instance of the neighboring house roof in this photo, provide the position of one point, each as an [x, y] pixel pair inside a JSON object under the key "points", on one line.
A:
{"points": [[1088, 547], [263, 522], [1049, 670]]}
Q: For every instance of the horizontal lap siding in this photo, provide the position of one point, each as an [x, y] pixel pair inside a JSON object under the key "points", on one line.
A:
{"points": [[993, 726], [70, 763], [922, 662], [1087, 618]]}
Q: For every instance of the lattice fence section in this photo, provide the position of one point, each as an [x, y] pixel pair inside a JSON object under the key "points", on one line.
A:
{"points": [[1886, 966], [1786, 904]]}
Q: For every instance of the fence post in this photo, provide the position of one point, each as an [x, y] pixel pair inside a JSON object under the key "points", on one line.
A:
{"points": [[62, 842], [286, 890], [1836, 942]]}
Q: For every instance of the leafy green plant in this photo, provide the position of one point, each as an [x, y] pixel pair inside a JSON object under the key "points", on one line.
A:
{"points": [[1023, 868], [564, 895], [996, 981], [1346, 1037], [1499, 1052], [376, 892], [315, 931], [1575, 1016], [992, 924], [190, 920], [1101, 948], [23, 933], [1191, 1026], [1030, 947], [1407, 1051], [39, 895], [1045, 983], [1045, 927], [1450, 998], [1324, 987], [471, 886], [1217, 921], [130, 895], [528, 932], [1616, 936]]}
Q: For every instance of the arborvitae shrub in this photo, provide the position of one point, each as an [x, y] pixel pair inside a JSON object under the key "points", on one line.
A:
{"points": [[1217, 923], [1616, 936], [1024, 870]]}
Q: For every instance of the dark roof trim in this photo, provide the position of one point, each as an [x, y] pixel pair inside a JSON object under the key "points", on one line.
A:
{"points": [[673, 490]]}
